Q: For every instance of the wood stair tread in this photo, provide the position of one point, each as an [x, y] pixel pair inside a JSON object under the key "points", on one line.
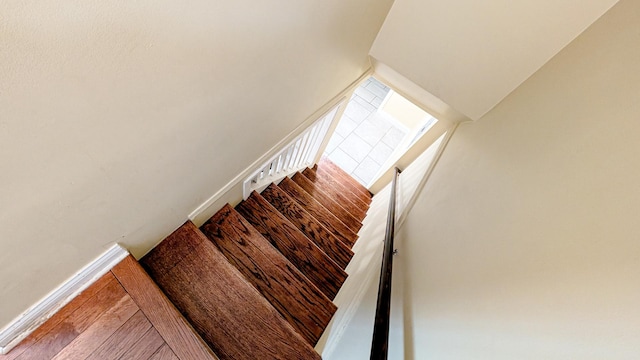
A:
{"points": [[170, 324], [324, 216], [314, 230], [197, 278], [333, 171], [337, 209], [336, 190], [297, 299], [330, 166], [293, 244]]}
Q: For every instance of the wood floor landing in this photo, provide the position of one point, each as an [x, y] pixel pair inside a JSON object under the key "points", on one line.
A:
{"points": [[254, 282], [109, 321]]}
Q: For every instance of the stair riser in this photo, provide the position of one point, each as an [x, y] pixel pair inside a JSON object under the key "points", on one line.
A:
{"points": [[235, 320], [336, 190], [298, 300], [330, 204], [293, 244], [319, 212], [333, 247], [325, 166]]}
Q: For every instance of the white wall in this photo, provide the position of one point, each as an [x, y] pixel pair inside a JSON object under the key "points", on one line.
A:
{"points": [[349, 335], [471, 54], [524, 243], [117, 119], [404, 111]]}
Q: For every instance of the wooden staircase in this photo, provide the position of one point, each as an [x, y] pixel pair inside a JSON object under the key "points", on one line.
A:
{"points": [[257, 281]]}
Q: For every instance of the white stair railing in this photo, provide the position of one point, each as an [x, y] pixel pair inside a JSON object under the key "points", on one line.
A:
{"points": [[297, 155]]}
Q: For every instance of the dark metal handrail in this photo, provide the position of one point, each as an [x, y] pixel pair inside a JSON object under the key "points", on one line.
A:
{"points": [[380, 342]]}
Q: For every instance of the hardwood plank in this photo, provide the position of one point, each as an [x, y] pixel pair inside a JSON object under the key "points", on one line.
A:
{"points": [[293, 244], [59, 316], [324, 216], [166, 256], [164, 353], [323, 174], [148, 344], [336, 190], [105, 326], [314, 230], [327, 166], [328, 202], [228, 312], [75, 323], [306, 308], [122, 340], [162, 314]]}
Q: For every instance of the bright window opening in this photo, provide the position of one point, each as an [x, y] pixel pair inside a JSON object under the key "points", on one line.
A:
{"points": [[378, 124]]}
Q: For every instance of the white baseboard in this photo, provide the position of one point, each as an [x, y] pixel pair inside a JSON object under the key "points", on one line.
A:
{"points": [[25, 324]]}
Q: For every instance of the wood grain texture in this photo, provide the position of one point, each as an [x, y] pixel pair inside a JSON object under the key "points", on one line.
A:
{"points": [[164, 353], [228, 312], [328, 202], [327, 166], [75, 323], [58, 317], [148, 344], [168, 321], [299, 301], [293, 244], [314, 230], [98, 324], [324, 216], [336, 190], [105, 326], [121, 340]]}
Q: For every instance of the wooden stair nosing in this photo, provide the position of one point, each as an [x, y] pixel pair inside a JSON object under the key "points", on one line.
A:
{"points": [[324, 216], [345, 182], [332, 167], [342, 194], [198, 279], [166, 319], [299, 301], [337, 209], [314, 230], [327, 166], [314, 263]]}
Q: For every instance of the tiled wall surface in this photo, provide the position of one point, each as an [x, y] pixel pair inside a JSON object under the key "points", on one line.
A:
{"points": [[365, 137]]}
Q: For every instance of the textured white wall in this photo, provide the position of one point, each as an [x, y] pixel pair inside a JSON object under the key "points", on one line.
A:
{"points": [[117, 119], [524, 243], [471, 54]]}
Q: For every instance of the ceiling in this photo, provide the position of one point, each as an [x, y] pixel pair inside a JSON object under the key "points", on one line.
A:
{"points": [[471, 54]]}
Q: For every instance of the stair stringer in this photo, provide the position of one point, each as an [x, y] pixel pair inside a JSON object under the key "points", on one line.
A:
{"points": [[363, 270]]}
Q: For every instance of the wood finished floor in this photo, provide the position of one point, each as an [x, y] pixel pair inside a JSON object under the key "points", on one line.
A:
{"points": [[229, 313], [104, 322], [282, 256]]}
